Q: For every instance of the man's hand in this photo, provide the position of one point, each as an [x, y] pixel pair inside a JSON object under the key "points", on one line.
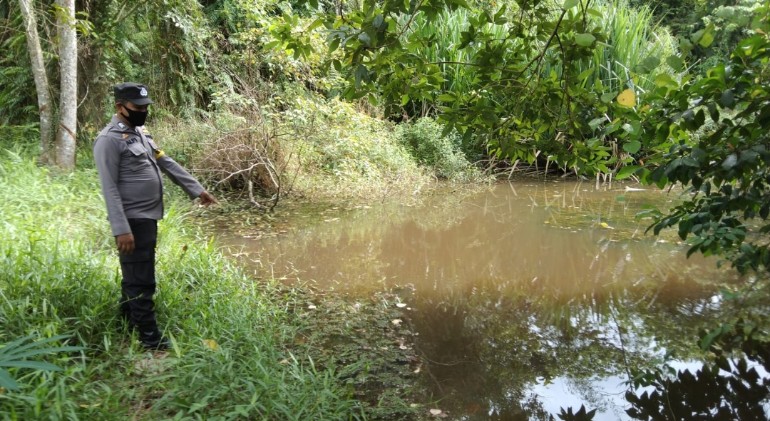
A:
{"points": [[207, 199], [125, 243]]}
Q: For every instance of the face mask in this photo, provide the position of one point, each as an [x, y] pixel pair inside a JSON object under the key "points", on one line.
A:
{"points": [[135, 118]]}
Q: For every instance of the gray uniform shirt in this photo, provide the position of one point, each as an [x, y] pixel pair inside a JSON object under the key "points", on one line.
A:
{"points": [[129, 165]]}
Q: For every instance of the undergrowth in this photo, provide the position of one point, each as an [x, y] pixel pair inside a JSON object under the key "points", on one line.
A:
{"points": [[59, 276], [316, 149]]}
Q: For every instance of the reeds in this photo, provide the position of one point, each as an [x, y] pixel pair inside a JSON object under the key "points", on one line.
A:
{"points": [[633, 37]]}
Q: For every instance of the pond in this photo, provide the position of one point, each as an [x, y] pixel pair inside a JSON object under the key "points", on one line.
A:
{"points": [[526, 297]]}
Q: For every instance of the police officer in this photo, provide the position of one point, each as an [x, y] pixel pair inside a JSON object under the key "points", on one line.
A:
{"points": [[129, 164]]}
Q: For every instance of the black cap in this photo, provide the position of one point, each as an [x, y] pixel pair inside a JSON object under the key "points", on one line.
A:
{"points": [[135, 93]]}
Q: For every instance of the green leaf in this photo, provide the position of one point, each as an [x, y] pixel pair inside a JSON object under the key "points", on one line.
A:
{"points": [[707, 38], [379, 22], [730, 162], [365, 39], [608, 97], [569, 4], [316, 23], [727, 99], [447, 97], [585, 74], [271, 45], [593, 124], [361, 75], [334, 44], [499, 18], [632, 147], [6, 381], [627, 171], [36, 365], [648, 64], [675, 62], [584, 40], [404, 99], [685, 45]]}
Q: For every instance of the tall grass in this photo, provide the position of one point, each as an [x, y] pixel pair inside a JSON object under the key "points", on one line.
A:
{"points": [[440, 40], [59, 276], [633, 35]]}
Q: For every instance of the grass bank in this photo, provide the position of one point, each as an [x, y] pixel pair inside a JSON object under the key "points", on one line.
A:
{"points": [[233, 353]]}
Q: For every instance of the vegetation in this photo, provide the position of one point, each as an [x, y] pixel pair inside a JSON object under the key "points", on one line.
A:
{"points": [[231, 354], [589, 88]]}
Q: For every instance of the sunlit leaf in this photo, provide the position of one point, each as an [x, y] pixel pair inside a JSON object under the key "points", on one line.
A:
{"points": [[707, 38], [569, 4], [584, 40]]}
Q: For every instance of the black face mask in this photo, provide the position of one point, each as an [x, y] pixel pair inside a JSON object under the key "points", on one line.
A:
{"points": [[135, 118]]}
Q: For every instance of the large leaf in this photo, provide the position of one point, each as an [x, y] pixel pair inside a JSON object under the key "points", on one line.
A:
{"points": [[584, 40], [627, 171]]}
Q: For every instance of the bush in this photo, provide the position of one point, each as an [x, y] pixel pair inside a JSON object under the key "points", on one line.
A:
{"points": [[295, 143], [343, 152], [427, 144]]}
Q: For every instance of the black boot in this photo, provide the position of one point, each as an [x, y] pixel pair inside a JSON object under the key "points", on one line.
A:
{"points": [[153, 339]]}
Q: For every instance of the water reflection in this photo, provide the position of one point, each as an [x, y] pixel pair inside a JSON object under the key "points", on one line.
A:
{"points": [[526, 297]]}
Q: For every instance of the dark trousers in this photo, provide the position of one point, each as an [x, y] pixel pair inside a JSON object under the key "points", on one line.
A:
{"points": [[138, 285]]}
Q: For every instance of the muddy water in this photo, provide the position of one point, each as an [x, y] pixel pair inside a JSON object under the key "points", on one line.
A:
{"points": [[527, 297]]}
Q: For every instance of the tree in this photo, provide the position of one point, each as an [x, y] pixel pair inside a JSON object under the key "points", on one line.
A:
{"points": [[68, 94], [41, 80], [524, 80], [59, 151]]}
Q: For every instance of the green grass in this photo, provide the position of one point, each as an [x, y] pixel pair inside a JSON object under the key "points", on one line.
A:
{"points": [[59, 276]]}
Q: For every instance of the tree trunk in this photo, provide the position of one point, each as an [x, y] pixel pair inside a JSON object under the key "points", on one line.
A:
{"points": [[68, 107], [41, 80]]}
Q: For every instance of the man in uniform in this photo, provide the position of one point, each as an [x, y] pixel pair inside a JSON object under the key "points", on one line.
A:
{"points": [[129, 164]]}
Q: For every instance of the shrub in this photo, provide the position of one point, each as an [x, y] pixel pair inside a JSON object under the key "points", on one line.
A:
{"points": [[427, 144], [343, 152]]}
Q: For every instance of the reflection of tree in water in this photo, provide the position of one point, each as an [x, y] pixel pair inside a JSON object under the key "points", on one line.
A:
{"points": [[485, 347], [725, 389], [513, 290]]}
